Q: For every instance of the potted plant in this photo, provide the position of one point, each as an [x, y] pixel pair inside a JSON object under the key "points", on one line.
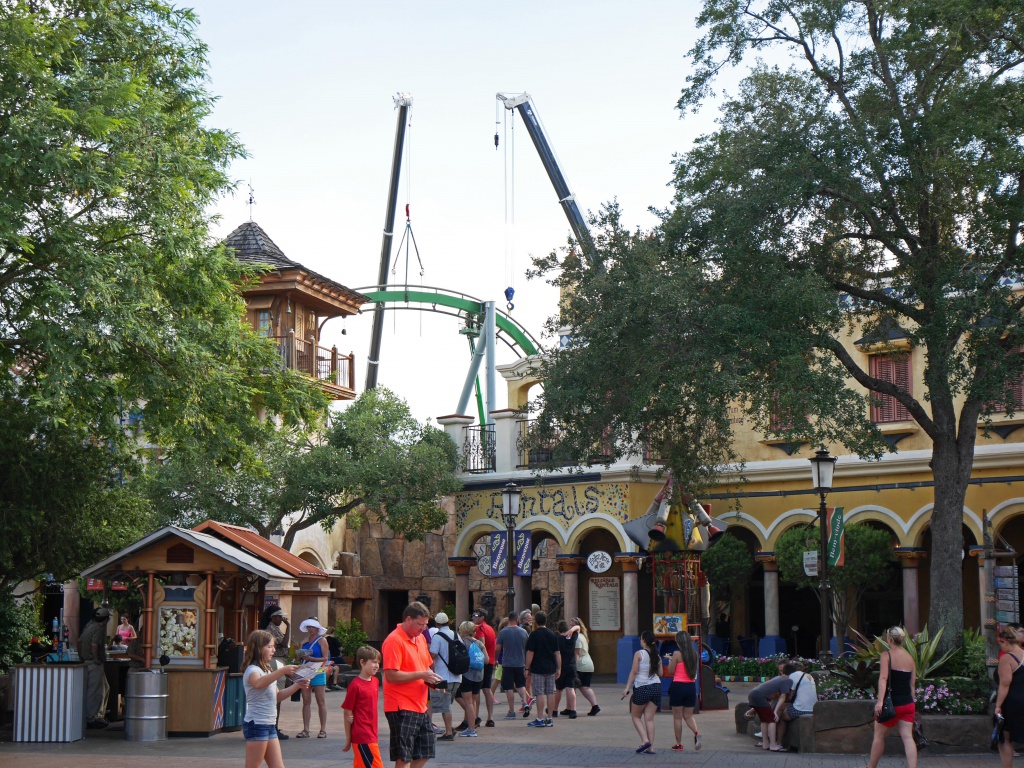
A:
{"points": [[351, 636]]}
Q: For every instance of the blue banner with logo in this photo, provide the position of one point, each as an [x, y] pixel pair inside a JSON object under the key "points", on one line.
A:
{"points": [[499, 554], [524, 553]]}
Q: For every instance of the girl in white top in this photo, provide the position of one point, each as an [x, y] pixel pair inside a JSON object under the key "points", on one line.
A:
{"points": [[261, 697], [645, 673]]}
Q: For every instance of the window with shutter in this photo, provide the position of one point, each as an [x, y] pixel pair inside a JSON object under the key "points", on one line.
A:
{"points": [[896, 370]]}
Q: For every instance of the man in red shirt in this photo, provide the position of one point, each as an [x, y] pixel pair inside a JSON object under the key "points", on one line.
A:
{"points": [[407, 673], [360, 708], [486, 633]]}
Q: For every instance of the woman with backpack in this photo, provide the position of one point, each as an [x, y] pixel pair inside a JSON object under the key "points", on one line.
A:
{"points": [[472, 679]]}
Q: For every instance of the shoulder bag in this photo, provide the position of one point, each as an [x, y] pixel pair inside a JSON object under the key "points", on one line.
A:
{"points": [[888, 710]]}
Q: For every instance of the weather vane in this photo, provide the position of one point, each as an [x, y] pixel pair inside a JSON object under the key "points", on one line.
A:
{"points": [[252, 199]]}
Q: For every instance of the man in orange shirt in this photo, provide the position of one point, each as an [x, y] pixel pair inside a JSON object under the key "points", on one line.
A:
{"points": [[407, 673]]}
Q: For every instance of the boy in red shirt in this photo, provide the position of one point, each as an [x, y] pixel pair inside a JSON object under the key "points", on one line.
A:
{"points": [[360, 714]]}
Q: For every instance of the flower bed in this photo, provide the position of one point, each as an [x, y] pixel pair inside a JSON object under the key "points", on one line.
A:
{"points": [[954, 696]]}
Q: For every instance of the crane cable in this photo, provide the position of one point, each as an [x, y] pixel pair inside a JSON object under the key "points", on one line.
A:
{"points": [[510, 209], [408, 236]]}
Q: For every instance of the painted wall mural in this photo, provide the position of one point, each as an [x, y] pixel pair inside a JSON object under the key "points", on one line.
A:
{"points": [[561, 504]]}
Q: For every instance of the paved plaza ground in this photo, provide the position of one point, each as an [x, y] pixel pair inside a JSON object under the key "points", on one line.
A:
{"points": [[587, 742]]}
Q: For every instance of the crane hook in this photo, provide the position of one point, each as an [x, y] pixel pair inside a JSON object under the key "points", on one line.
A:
{"points": [[509, 293], [495, 141]]}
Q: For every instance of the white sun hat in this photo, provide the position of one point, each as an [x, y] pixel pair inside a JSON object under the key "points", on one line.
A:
{"points": [[306, 625]]}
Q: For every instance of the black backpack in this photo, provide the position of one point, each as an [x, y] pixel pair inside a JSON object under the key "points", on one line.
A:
{"points": [[458, 656]]}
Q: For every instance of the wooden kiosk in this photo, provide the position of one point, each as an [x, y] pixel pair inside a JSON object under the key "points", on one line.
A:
{"points": [[195, 588]]}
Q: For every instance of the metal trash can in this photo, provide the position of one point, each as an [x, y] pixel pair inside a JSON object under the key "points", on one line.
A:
{"points": [[146, 706]]}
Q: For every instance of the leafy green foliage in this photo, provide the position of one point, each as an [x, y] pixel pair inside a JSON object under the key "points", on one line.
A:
{"points": [[20, 620], [113, 298], [858, 673], [870, 181], [351, 636], [869, 557], [376, 457], [969, 659], [728, 566], [923, 649]]}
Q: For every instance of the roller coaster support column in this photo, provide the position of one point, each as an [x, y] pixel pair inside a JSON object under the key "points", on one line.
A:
{"points": [[474, 369], [492, 361]]}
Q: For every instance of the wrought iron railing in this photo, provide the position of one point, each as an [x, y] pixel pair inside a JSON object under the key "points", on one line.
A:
{"points": [[478, 449], [534, 451], [316, 362]]}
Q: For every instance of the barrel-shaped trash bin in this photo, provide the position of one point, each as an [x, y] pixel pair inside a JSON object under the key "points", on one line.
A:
{"points": [[146, 706]]}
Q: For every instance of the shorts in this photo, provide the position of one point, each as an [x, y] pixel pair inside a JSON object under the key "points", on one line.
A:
{"points": [[412, 737], [566, 680], [488, 676], [792, 713], [366, 756], [441, 701], [471, 687], [542, 685], [682, 695], [585, 678], [258, 732], [646, 694], [513, 678], [904, 712], [766, 714]]}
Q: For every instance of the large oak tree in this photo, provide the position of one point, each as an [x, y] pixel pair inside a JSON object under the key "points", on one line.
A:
{"points": [[869, 175]]}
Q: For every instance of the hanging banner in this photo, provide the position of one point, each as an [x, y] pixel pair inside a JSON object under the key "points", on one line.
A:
{"points": [[499, 553], [836, 538], [524, 553]]}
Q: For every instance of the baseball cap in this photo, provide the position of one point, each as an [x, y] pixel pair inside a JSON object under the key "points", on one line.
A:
{"points": [[478, 615], [441, 619], [102, 613], [278, 612]]}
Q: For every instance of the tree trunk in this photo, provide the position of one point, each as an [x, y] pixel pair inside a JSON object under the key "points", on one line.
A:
{"points": [[951, 468]]}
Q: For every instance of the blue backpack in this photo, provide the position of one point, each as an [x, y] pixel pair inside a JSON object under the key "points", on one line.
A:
{"points": [[477, 658]]}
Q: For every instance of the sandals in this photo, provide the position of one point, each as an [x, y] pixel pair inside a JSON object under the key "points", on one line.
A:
{"points": [[322, 735], [779, 748], [302, 735], [643, 748], [648, 751]]}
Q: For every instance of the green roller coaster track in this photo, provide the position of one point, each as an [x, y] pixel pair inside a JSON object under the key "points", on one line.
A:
{"points": [[443, 301]]}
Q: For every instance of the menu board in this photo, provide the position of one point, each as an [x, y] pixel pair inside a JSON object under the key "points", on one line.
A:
{"points": [[605, 610]]}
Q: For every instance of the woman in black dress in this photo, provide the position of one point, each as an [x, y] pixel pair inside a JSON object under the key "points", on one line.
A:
{"points": [[1010, 698]]}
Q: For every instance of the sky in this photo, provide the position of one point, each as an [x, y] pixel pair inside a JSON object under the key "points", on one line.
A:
{"points": [[308, 90]]}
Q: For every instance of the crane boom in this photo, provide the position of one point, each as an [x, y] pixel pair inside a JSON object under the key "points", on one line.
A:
{"points": [[403, 102], [525, 106]]}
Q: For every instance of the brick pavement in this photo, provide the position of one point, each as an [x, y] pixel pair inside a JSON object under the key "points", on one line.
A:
{"points": [[604, 741]]}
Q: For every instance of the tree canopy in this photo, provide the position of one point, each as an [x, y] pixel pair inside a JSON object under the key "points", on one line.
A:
{"points": [[868, 180], [376, 459], [868, 559], [115, 302]]}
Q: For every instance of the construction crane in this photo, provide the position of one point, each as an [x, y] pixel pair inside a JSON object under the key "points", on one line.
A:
{"points": [[522, 103], [403, 102]]}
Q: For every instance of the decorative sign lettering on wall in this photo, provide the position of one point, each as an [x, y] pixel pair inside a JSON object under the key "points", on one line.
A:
{"points": [[605, 605], [599, 561], [562, 504]]}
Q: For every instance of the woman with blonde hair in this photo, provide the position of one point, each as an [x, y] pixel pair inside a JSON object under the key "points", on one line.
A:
{"points": [[1010, 696], [472, 680], [898, 675], [584, 663], [261, 698], [682, 693]]}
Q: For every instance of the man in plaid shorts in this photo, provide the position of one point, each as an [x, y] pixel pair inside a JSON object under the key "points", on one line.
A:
{"points": [[407, 674]]}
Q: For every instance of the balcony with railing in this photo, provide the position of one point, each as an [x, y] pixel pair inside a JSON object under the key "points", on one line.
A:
{"points": [[334, 372], [478, 449], [534, 451]]}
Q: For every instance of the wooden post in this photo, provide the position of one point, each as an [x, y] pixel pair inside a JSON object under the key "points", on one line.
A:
{"points": [[208, 621], [351, 370], [150, 621], [292, 357], [335, 375]]}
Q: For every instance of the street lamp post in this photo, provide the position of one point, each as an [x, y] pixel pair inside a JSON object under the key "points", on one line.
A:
{"points": [[510, 495], [822, 468]]}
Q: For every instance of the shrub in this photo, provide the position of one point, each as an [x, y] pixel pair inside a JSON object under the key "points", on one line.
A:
{"points": [[969, 660], [351, 636], [744, 666], [20, 622]]}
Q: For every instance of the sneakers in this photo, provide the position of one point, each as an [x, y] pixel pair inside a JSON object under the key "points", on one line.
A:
{"points": [[468, 734], [490, 723], [437, 730], [511, 715], [572, 714], [678, 748], [555, 714], [526, 711], [463, 726], [548, 723], [566, 711], [477, 723], [446, 737], [536, 723], [593, 711], [696, 741]]}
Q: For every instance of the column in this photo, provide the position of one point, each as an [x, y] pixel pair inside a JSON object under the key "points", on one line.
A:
{"points": [[772, 643], [461, 566], [523, 586], [506, 437], [629, 643], [569, 565], [910, 562], [454, 425]]}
